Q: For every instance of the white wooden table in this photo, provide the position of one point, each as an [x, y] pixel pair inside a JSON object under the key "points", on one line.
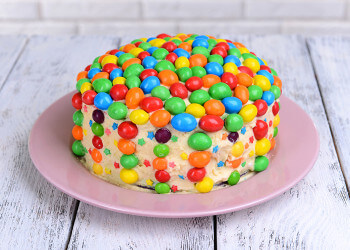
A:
{"points": [[315, 214]]}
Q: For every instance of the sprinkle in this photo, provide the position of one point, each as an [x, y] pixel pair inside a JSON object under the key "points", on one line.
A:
{"points": [[150, 135], [174, 188], [182, 177], [251, 153], [172, 164], [89, 150], [243, 164], [224, 136], [107, 151], [184, 156], [85, 132], [216, 149], [116, 165], [174, 138], [108, 132], [114, 126], [221, 164], [270, 123], [265, 120], [149, 182], [116, 143], [141, 142], [90, 123], [85, 108], [243, 130], [108, 171], [147, 163], [251, 139]]}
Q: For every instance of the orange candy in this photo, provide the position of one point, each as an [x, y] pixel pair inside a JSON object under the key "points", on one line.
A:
{"points": [[277, 82], [134, 97], [198, 60], [210, 80], [242, 93], [77, 132], [235, 163], [131, 61], [238, 45], [160, 118], [126, 147], [186, 46], [101, 58], [96, 155], [168, 77], [82, 75], [214, 107], [199, 159], [128, 47], [273, 143], [244, 79], [160, 163], [100, 75]]}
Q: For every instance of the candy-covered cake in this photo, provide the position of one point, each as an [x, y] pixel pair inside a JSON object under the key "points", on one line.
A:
{"points": [[184, 113]]}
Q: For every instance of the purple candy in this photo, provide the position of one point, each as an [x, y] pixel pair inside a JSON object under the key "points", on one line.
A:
{"points": [[98, 116], [163, 135], [233, 137]]}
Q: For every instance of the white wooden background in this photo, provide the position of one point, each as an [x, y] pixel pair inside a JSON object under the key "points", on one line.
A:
{"points": [[315, 214]]}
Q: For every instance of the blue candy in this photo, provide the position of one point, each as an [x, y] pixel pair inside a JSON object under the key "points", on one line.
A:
{"points": [[267, 74], [118, 54], [232, 46], [234, 59], [149, 83], [232, 104], [268, 97], [202, 37], [261, 62], [184, 122], [151, 38], [103, 101], [214, 68], [181, 52], [93, 72], [115, 73], [152, 49], [200, 42], [149, 62]]}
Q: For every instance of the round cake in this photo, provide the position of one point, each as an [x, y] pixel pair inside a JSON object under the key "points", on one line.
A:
{"points": [[176, 114]]}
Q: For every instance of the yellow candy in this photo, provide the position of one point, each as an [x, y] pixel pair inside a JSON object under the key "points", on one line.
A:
{"points": [[262, 81], [219, 40], [85, 87], [196, 110], [237, 149], [205, 185], [175, 38], [190, 41], [98, 169], [252, 63], [139, 117], [248, 112], [129, 176], [276, 120], [121, 48], [136, 51], [143, 39], [264, 61], [158, 42], [231, 67], [243, 50], [180, 34], [109, 59], [262, 146], [119, 80], [182, 62]]}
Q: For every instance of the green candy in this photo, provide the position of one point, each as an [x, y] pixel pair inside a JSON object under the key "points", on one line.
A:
{"points": [[145, 46], [161, 92], [177, 42], [261, 163], [160, 53], [96, 59], [184, 73], [198, 71], [96, 65], [102, 85], [233, 122], [248, 55], [136, 40], [255, 92], [275, 132], [212, 42], [80, 82], [161, 150], [220, 90], [189, 39], [201, 50], [78, 118], [175, 105], [78, 148], [97, 129], [163, 65], [162, 188], [194, 35], [243, 164], [273, 72], [235, 52], [234, 178], [124, 57], [276, 91], [133, 70], [166, 38], [117, 111], [216, 58], [199, 96], [132, 82], [199, 141], [129, 161]]}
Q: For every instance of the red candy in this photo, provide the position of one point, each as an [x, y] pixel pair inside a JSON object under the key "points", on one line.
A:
{"points": [[262, 107], [223, 45], [150, 104], [88, 67], [211, 123], [219, 51], [162, 176], [114, 51], [171, 57], [169, 46], [108, 67], [163, 35], [77, 101], [196, 174], [230, 79], [264, 67], [246, 70], [127, 130], [179, 90], [194, 83], [143, 54], [275, 108], [138, 43], [118, 92], [97, 142], [260, 129], [88, 97], [148, 72]]}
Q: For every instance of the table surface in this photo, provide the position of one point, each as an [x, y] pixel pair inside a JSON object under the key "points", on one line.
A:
{"points": [[35, 71]]}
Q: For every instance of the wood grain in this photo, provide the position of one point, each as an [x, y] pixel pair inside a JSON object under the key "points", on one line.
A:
{"points": [[331, 59], [33, 213], [315, 214]]}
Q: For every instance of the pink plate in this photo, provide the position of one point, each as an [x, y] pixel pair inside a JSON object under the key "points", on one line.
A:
{"points": [[50, 149]]}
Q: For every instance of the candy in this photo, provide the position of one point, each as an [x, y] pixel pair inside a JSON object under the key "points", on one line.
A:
{"points": [[199, 141], [214, 107], [78, 118], [194, 83], [233, 122], [235, 52], [97, 169], [234, 178], [216, 58], [147, 73], [78, 148], [211, 123], [118, 92], [181, 52], [97, 142], [134, 97], [199, 159], [160, 163], [184, 73], [117, 111], [85, 87], [97, 129], [182, 62], [129, 161], [261, 106], [260, 130], [162, 135], [219, 51], [161, 92], [77, 101], [133, 70], [219, 91], [248, 112], [237, 149], [214, 68], [201, 50], [81, 82], [115, 73], [171, 57], [127, 130], [275, 132], [244, 79], [267, 74], [233, 59], [164, 65], [128, 176], [268, 97], [139, 117], [242, 93], [98, 116], [232, 104], [149, 62], [162, 188], [276, 91], [184, 122], [233, 137], [103, 101], [196, 110], [262, 82], [169, 46], [77, 132], [196, 174], [160, 118], [198, 71], [149, 83], [162, 176], [100, 75], [210, 80], [161, 150], [276, 120], [168, 77], [88, 97], [123, 58], [150, 104], [92, 72], [252, 63], [119, 80], [230, 79], [200, 42], [205, 185], [82, 75], [199, 96], [175, 105], [126, 147], [178, 90], [261, 163], [255, 92], [230, 67], [198, 60], [96, 155], [160, 54], [262, 146]]}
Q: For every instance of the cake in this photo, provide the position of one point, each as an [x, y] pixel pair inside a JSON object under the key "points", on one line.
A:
{"points": [[176, 114]]}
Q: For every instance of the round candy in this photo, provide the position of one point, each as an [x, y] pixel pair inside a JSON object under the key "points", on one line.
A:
{"points": [[220, 51], [161, 92], [275, 132], [262, 82], [198, 60], [160, 53], [117, 111], [181, 52], [214, 68], [230, 79], [261, 163], [214, 107], [178, 90], [233, 137], [127, 130], [77, 101], [198, 71], [124, 57], [78, 148], [162, 188], [77, 132], [255, 92], [115, 73], [169, 46], [88, 97], [175, 105], [121, 80], [96, 155], [126, 147], [78, 118], [160, 118], [129, 176], [133, 70], [147, 73], [276, 121], [201, 50], [260, 130], [150, 104], [275, 108], [171, 57], [194, 83], [252, 63], [244, 79], [196, 110], [162, 135], [276, 91], [199, 159], [162, 176], [97, 142], [102, 85], [161, 150], [168, 77], [196, 174], [232, 104], [103, 101], [184, 74], [211, 123], [248, 112], [219, 91], [199, 141], [262, 146], [184, 122], [160, 163], [98, 116], [242, 93], [149, 62], [200, 42], [80, 83], [233, 122], [216, 58], [267, 74], [268, 97], [261, 106], [199, 96], [129, 161], [132, 82], [118, 92], [237, 149], [93, 72], [182, 62], [134, 97], [97, 129], [164, 65], [139, 116], [234, 177], [205, 185], [149, 84]]}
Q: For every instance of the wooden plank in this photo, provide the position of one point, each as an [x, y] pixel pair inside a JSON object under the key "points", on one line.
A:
{"points": [[11, 47], [33, 213], [316, 212], [331, 59]]}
